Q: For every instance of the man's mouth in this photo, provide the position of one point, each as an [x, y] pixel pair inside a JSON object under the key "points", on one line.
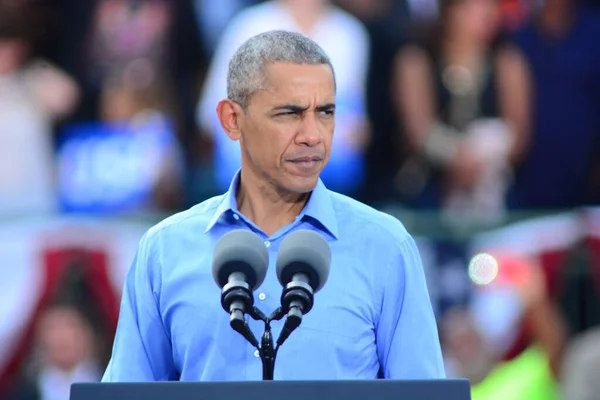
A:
{"points": [[307, 163], [303, 160]]}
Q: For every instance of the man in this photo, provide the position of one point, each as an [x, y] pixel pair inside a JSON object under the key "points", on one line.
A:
{"points": [[346, 42], [372, 319]]}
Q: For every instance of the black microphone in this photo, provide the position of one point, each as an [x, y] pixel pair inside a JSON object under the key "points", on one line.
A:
{"points": [[303, 264], [240, 262]]}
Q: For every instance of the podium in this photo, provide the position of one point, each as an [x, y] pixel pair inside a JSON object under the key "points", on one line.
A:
{"points": [[447, 389]]}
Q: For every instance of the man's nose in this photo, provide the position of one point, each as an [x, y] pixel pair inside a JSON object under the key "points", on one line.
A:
{"points": [[309, 133]]}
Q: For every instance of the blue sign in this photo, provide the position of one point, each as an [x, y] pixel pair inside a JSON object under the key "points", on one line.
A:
{"points": [[112, 167]]}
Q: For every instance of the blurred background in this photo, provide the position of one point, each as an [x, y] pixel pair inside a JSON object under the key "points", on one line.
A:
{"points": [[475, 122]]}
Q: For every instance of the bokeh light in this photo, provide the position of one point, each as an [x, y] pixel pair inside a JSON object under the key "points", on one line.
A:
{"points": [[483, 269]]}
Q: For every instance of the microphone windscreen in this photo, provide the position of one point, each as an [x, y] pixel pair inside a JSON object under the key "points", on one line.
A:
{"points": [[240, 251], [307, 252]]}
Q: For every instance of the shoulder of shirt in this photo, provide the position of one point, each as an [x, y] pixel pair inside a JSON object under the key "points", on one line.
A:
{"points": [[385, 225], [199, 216], [249, 17], [346, 18]]}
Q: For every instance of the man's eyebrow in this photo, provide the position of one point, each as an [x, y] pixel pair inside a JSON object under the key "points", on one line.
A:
{"points": [[299, 109], [326, 107], [291, 107]]}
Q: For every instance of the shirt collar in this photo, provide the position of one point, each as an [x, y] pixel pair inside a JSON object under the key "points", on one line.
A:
{"points": [[319, 207]]}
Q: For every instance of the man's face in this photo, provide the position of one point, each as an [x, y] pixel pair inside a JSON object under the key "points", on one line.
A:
{"points": [[287, 129]]}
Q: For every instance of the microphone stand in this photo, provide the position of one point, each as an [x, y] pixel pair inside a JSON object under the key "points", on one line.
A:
{"points": [[267, 350]]}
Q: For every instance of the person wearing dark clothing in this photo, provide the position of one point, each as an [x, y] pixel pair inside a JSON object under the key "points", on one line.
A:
{"points": [[561, 48]]}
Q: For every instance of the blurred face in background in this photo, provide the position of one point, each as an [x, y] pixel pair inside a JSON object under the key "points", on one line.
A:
{"points": [[65, 338], [12, 54], [472, 19]]}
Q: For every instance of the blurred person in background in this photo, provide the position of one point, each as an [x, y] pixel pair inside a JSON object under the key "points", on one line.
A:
{"points": [[579, 378], [147, 111], [474, 347], [561, 47], [388, 25], [147, 43], [463, 100], [34, 96], [138, 62], [64, 354], [213, 20], [130, 161], [344, 39], [150, 44]]}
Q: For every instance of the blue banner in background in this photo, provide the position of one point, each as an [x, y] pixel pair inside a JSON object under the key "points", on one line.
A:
{"points": [[112, 167]]}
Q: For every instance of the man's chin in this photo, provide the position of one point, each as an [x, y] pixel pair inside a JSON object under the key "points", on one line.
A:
{"points": [[305, 169], [301, 185]]}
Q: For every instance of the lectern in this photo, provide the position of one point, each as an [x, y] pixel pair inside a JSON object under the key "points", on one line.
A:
{"points": [[451, 389]]}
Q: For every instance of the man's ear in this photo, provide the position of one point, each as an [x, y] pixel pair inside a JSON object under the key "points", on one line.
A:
{"points": [[229, 113]]}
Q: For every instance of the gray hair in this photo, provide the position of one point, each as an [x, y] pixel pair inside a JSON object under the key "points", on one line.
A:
{"points": [[246, 68]]}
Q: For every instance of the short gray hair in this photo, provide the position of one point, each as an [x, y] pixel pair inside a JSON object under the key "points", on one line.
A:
{"points": [[246, 68]]}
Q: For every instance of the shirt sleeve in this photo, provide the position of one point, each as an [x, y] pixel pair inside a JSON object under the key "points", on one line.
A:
{"points": [[142, 348], [408, 343]]}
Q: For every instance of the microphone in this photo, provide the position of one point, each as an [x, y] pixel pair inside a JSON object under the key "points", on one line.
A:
{"points": [[303, 264], [240, 262]]}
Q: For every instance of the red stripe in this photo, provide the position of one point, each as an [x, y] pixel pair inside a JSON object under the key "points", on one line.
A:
{"points": [[551, 262]]}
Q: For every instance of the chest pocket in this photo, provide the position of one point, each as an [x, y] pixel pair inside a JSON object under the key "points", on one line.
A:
{"points": [[339, 336], [343, 320]]}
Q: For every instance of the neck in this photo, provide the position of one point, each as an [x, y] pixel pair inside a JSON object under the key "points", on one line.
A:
{"points": [[268, 207], [462, 51], [306, 14]]}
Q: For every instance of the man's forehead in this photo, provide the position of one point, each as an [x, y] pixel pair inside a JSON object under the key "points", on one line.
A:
{"points": [[277, 101], [284, 74]]}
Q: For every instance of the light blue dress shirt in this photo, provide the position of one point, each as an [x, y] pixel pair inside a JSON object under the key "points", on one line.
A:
{"points": [[372, 319]]}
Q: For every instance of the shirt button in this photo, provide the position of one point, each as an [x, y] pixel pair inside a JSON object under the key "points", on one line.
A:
{"points": [[256, 353], [262, 296], [236, 217], [267, 243]]}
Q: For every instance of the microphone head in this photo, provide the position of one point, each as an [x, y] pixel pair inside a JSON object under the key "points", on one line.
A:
{"points": [[306, 252], [240, 251]]}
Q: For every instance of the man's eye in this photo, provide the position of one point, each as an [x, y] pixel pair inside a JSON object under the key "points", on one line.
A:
{"points": [[327, 112]]}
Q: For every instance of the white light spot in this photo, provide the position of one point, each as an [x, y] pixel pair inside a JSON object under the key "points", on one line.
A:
{"points": [[483, 269]]}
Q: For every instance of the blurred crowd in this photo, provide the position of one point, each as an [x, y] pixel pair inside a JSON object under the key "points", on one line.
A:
{"points": [[471, 108]]}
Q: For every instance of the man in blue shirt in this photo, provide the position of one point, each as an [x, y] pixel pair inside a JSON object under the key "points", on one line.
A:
{"points": [[372, 319]]}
